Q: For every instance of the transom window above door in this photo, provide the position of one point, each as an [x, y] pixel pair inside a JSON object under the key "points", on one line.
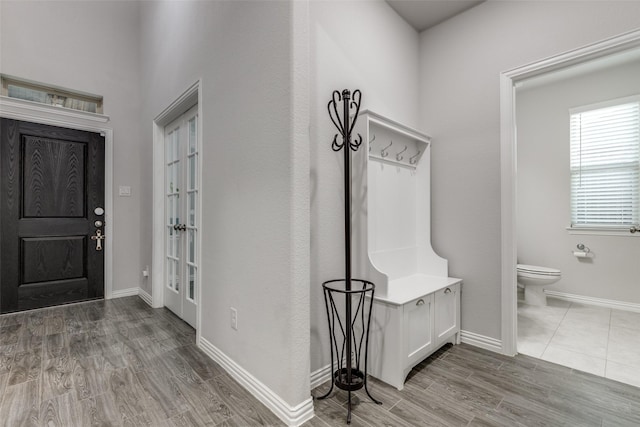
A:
{"points": [[14, 87]]}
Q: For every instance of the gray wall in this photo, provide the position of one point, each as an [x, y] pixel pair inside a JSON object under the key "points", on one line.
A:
{"points": [[461, 60], [354, 45], [251, 253], [90, 47], [143, 55], [544, 188]]}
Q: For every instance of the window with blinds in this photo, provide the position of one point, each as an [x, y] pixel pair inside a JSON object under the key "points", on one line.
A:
{"points": [[605, 164]]}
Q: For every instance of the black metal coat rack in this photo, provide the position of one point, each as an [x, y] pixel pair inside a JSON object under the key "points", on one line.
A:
{"points": [[348, 329]]}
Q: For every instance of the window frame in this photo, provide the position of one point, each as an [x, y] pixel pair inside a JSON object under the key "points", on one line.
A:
{"points": [[601, 229]]}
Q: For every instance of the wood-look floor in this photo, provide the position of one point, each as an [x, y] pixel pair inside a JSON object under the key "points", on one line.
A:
{"points": [[121, 363], [466, 386], [114, 363]]}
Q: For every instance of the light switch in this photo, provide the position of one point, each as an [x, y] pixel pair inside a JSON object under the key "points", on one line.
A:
{"points": [[124, 191]]}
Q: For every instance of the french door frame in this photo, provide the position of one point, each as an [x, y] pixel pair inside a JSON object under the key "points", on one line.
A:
{"points": [[191, 97], [28, 111]]}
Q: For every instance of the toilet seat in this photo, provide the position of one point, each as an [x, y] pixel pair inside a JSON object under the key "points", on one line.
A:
{"points": [[534, 270], [534, 279]]}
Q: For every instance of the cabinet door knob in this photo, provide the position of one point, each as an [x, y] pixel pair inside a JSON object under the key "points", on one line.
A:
{"points": [[447, 291], [420, 302]]}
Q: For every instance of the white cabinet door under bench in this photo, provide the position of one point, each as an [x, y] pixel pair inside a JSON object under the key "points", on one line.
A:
{"points": [[418, 316]]}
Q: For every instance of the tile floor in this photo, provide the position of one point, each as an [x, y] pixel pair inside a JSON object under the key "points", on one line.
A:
{"points": [[598, 340]]}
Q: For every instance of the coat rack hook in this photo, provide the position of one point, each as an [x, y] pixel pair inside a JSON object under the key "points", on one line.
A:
{"points": [[399, 155], [384, 152], [414, 159], [371, 142]]}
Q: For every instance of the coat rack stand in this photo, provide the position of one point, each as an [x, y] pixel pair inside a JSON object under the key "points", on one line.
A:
{"points": [[348, 329]]}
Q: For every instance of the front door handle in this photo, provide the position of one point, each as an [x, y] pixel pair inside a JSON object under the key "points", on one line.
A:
{"points": [[180, 227], [99, 237]]}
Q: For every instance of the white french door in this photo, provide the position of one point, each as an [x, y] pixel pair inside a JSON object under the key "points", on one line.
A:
{"points": [[181, 220]]}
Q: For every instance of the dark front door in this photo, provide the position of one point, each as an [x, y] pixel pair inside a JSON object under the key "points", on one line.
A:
{"points": [[51, 182]]}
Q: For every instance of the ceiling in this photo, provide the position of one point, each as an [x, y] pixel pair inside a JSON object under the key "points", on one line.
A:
{"points": [[423, 14]]}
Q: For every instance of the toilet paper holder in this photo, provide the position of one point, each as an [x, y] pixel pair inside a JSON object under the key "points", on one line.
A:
{"points": [[582, 252]]}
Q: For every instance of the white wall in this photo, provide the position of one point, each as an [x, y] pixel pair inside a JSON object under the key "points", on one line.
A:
{"points": [[251, 252], [461, 60], [544, 188], [354, 45], [90, 47]]}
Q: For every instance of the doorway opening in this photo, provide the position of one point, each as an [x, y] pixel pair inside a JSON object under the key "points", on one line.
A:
{"points": [[516, 83]]}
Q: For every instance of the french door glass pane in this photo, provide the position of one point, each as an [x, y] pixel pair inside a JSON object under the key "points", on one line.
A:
{"points": [[192, 246], [176, 177], [169, 210], [169, 148], [176, 277], [192, 136], [176, 246], [192, 209], [192, 172], [176, 144], [169, 174], [192, 282], [176, 209]]}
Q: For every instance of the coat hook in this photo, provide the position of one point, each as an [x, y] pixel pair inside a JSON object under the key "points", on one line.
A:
{"points": [[371, 142], [399, 157], [414, 159], [384, 152]]}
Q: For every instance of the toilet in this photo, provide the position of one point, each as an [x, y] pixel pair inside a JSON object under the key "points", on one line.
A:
{"points": [[534, 279]]}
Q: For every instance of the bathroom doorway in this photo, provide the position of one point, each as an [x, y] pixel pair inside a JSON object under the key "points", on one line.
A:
{"points": [[592, 311]]}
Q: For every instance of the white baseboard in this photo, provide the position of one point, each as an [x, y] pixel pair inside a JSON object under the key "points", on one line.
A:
{"points": [[601, 302], [120, 293], [481, 341], [145, 297], [290, 415], [133, 292], [320, 376]]}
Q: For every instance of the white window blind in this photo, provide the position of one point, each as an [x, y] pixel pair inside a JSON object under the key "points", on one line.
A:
{"points": [[605, 165]]}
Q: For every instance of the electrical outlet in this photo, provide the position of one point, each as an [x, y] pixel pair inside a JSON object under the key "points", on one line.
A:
{"points": [[234, 318]]}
